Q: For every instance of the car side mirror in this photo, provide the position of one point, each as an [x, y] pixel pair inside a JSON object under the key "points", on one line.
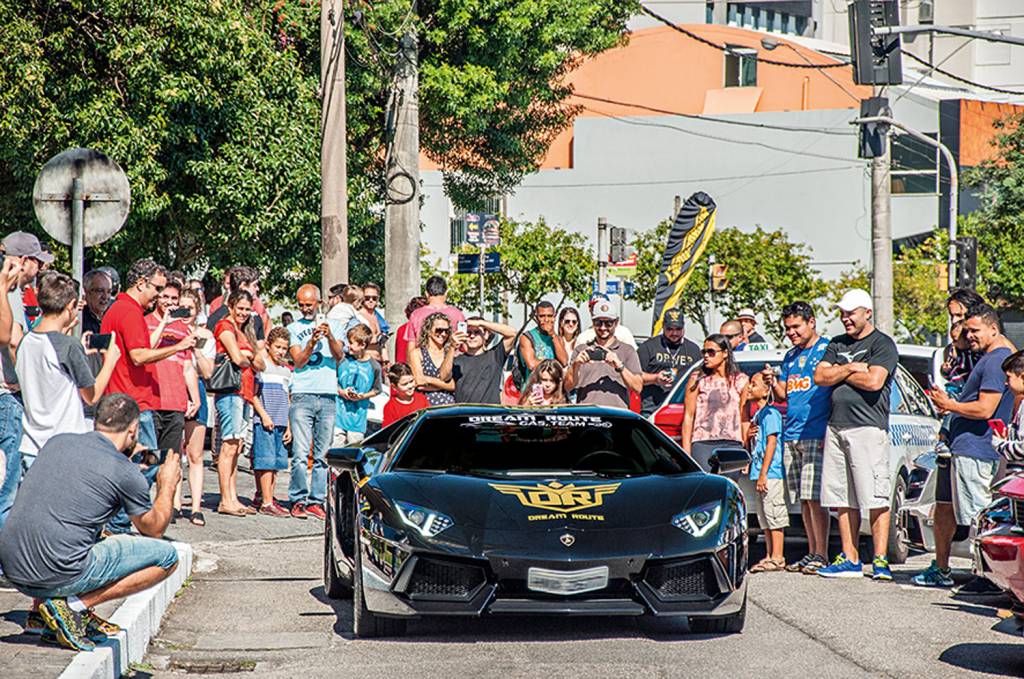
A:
{"points": [[727, 460], [344, 458]]}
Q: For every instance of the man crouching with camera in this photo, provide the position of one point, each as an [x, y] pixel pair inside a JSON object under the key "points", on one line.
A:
{"points": [[605, 370], [51, 548]]}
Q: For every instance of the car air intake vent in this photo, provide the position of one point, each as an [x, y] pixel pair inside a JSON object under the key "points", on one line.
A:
{"points": [[434, 579], [1018, 512], [683, 580]]}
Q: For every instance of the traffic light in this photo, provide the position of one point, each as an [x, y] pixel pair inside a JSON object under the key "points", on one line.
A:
{"points": [[967, 263], [719, 277], [617, 238], [876, 58]]}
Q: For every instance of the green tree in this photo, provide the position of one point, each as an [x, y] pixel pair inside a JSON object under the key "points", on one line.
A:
{"points": [[766, 272], [536, 260]]}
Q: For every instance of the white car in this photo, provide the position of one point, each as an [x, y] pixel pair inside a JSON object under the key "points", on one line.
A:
{"points": [[913, 431]]}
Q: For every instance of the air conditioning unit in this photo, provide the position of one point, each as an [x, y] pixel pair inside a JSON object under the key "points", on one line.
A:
{"points": [[926, 12]]}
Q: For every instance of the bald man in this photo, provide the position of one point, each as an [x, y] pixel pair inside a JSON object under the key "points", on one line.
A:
{"points": [[734, 332], [316, 348]]}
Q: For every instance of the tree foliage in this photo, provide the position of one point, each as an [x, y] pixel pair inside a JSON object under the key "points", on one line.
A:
{"points": [[536, 260], [766, 271]]}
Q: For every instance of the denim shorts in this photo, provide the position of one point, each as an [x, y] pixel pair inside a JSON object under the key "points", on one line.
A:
{"points": [[110, 560], [268, 451], [234, 416]]}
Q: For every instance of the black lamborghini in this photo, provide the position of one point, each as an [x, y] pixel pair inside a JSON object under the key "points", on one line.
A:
{"points": [[488, 510]]}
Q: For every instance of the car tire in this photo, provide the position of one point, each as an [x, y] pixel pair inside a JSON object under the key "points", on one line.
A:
{"points": [[727, 624], [897, 547], [365, 624], [334, 588]]}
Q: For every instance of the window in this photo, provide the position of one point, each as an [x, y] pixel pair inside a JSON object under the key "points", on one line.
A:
{"points": [[915, 165], [740, 66], [458, 222], [757, 18]]}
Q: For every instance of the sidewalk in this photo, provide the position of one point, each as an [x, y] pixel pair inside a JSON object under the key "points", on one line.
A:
{"points": [[23, 656]]}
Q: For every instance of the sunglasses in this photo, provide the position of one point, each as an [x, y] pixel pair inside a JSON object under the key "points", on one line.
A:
{"points": [[370, 298], [570, 321], [710, 352], [733, 335], [472, 332], [442, 331], [604, 324]]}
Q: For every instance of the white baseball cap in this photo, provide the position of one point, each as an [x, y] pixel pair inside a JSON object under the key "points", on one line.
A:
{"points": [[746, 313], [855, 299], [604, 310]]}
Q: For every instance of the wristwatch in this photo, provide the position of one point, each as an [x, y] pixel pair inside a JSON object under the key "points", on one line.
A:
{"points": [[620, 368]]}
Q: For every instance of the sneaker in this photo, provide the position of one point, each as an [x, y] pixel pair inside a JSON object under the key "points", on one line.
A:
{"points": [[933, 576], [66, 624], [317, 511], [799, 565], [880, 569], [978, 587], [95, 626], [816, 563], [34, 623], [842, 568], [274, 509], [299, 511]]}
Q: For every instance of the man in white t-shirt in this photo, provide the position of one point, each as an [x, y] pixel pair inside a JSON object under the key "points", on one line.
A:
{"points": [[53, 372]]}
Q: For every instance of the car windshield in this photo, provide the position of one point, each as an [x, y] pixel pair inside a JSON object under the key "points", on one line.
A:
{"points": [[541, 444], [748, 367]]}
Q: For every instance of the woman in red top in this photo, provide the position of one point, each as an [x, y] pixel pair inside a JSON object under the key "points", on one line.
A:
{"points": [[404, 397], [236, 343]]}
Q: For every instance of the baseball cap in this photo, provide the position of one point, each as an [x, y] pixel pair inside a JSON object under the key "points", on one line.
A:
{"points": [[855, 299], [22, 244], [598, 296], [674, 319], [604, 310], [746, 313]]}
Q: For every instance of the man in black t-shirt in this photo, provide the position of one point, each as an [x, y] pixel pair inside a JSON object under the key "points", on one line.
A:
{"points": [[477, 371], [664, 359], [859, 365]]}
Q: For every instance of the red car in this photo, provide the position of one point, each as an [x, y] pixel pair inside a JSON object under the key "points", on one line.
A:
{"points": [[1000, 543]]}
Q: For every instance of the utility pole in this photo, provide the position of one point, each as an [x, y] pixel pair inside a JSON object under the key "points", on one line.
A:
{"points": [[881, 241], [602, 259], [402, 219], [333, 151]]}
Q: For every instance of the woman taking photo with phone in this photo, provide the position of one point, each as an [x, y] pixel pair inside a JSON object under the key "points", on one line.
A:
{"points": [[716, 397], [197, 417], [544, 388], [236, 342], [432, 362]]}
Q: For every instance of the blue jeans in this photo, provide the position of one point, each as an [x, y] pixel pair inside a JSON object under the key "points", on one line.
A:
{"points": [[268, 451], [10, 440], [110, 560], [147, 438], [312, 421]]}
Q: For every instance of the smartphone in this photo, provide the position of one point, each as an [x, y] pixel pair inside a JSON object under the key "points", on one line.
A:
{"points": [[597, 353], [998, 427], [538, 391], [461, 327], [321, 319], [99, 342], [200, 342], [180, 312]]}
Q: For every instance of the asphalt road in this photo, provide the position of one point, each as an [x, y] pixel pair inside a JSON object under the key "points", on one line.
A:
{"points": [[256, 607]]}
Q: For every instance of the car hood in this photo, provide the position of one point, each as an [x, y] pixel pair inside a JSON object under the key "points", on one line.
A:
{"points": [[550, 503]]}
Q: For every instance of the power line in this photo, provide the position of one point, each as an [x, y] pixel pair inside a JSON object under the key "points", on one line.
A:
{"points": [[726, 121], [953, 76], [724, 48]]}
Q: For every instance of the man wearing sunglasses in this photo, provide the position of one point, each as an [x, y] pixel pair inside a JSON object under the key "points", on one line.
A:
{"points": [[604, 370], [477, 371], [664, 359], [371, 314]]}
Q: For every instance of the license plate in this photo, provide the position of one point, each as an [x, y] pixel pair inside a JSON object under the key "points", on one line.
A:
{"points": [[567, 582]]}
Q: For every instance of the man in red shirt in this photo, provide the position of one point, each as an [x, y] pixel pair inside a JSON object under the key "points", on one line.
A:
{"points": [[437, 302], [176, 375]]}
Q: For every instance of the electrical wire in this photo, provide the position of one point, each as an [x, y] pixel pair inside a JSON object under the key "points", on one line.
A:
{"points": [[724, 48], [953, 76]]}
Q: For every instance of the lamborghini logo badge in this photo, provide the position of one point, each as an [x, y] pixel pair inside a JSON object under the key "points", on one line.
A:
{"points": [[556, 497], [567, 540]]}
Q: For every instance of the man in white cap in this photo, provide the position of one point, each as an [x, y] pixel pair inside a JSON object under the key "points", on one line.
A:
{"points": [[604, 370], [752, 340], [859, 366]]}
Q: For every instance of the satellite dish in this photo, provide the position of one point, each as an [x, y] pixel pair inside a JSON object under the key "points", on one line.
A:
{"points": [[104, 190]]}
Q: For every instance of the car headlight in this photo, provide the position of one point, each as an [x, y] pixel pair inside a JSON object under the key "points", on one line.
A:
{"points": [[699, 522], [427, 522]]}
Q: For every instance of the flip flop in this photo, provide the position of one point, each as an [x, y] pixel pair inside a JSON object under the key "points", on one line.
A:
{"points": [[197, 519], [232, 512]]}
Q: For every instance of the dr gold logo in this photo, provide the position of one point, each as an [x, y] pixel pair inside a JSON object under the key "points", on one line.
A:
{"points": [[557, 497]]}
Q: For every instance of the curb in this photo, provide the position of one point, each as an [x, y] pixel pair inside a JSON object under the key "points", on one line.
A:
{"points": [[139, 617]]}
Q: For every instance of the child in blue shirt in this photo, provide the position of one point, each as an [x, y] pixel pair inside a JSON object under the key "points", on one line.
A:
{"points": [[358, 382], [767, 472]]}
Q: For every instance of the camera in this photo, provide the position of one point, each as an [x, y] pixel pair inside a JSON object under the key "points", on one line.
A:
{"points": [[597, 353]]}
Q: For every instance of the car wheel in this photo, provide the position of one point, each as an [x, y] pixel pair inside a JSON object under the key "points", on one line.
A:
{"points": [[728, 624], [898, 547], [334, 588], [365, 624]]}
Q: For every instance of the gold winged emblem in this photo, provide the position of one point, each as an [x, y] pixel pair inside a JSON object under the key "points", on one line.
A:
{"points": [[557, 497]]}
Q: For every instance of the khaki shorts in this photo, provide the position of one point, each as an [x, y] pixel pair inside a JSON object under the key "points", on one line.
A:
{"points": [[855, 468], [772, 512], [972, 483]]}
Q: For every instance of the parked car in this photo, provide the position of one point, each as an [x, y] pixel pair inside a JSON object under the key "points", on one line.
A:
{"points": [[999, 547], [913, 430], [923, 363]]}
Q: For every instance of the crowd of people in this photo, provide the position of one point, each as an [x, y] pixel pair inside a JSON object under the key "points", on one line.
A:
{"points": [[108, 390]]}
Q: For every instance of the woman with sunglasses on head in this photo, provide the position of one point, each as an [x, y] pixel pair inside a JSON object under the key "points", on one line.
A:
{"points": [[569, 327], [716, 396], [432, 362]]}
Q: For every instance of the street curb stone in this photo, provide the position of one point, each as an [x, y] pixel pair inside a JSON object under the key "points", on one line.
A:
{"points": [[139, 617]]}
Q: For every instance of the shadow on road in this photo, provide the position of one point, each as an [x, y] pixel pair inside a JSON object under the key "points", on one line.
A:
{"points": [[1000, 659]]}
